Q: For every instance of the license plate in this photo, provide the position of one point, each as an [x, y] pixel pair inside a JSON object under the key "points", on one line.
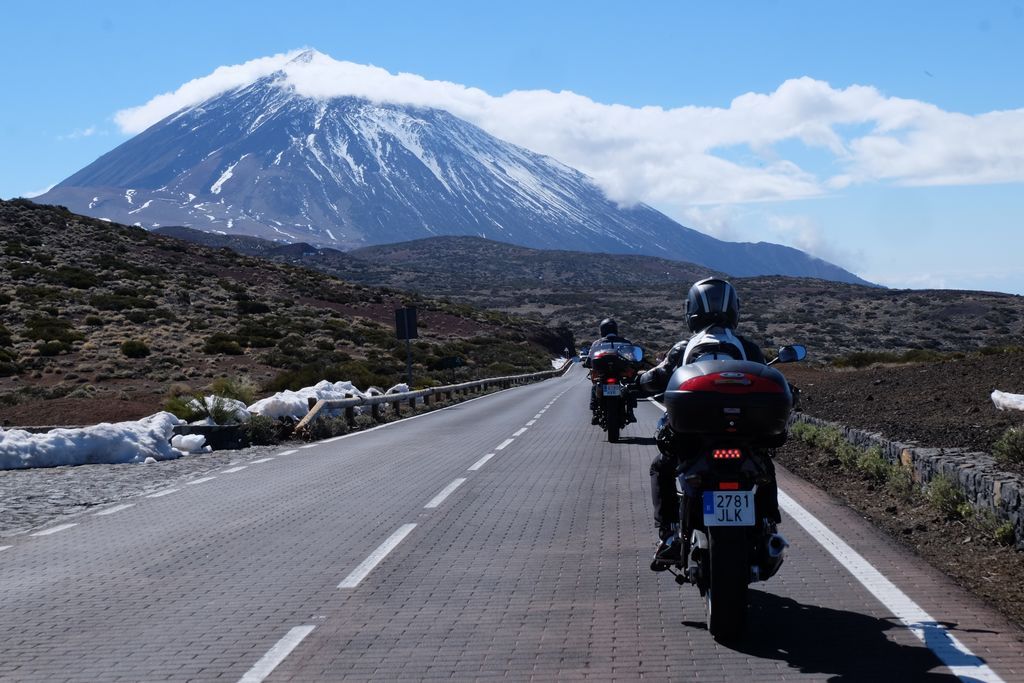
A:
{"points": [[612, 390], [729, 508]]}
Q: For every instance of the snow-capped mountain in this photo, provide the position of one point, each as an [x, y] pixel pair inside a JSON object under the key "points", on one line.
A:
{"points": [[347, 172]]}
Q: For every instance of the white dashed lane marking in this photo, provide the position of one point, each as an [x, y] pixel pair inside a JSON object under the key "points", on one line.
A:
{"points": [[376, 557], [4, 547], [275, 655], [445, 492], [53, 530], [503, 444], [481, 462], [520, 432], [531, 423], [116, 508]]}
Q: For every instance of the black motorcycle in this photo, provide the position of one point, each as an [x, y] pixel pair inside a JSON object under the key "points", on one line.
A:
{"points": [[613, 365], [726, 416]]}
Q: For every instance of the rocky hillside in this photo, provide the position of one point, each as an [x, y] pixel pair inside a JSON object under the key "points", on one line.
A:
{"points": [[99, 320], [575, 290]]}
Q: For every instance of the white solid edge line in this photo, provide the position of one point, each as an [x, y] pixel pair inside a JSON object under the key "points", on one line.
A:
{"points": [[936, 638], [294, 450], [53, 530], [235, 469], [275, 655], [954, 654], [116, 508], [257, 462], [199, 481], [376, 557], [480, 463], [159, 494], [504, 443], [445, 492], [520, 432]]}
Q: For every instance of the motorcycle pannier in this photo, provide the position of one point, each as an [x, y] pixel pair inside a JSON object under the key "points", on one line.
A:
{"points": [[728, 397]]}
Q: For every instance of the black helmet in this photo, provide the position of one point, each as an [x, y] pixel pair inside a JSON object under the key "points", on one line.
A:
{"points": [[609, 326], [712, 301]]}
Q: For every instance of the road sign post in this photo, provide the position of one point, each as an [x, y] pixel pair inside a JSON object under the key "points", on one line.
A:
{"points": [[405, 328]]}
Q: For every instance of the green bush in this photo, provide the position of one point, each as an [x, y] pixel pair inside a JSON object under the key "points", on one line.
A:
{"points": [[873, 464], [221, 343], [52, 348], [76, 278], [1009, 449], [246, 307], [52, 329], [900, 481], [261, 430], [1005, 534], [119, 302], [944, 495], [134, 348], [94, 321], [327, 427], [239, 388]]}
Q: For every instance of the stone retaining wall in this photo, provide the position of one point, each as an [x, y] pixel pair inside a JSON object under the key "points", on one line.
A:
{"points": [[982, 482]]}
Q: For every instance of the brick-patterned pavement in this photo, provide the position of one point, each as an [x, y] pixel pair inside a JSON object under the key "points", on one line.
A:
{"points": [[535, 567]]}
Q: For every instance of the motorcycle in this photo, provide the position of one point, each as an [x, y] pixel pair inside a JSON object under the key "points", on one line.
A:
{"points": [[613, 365], [726, 415]]}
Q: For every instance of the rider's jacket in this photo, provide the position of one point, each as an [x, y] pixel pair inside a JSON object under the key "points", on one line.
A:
{"points": [[711, 343], [614, 338]]}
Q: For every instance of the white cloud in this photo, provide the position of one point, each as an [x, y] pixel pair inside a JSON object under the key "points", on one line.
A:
{"points": [[79, 133], [676, 158], [36, 193]]}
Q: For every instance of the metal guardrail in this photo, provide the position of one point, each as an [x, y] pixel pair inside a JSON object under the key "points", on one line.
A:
{"points": [[447, 392]]}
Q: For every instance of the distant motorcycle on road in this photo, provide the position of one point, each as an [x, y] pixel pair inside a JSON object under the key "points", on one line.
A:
{"points": [[613, 366], [726, 415]]}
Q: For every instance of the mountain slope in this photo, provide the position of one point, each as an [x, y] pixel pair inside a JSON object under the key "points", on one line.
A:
{"points": [[347, 172]]}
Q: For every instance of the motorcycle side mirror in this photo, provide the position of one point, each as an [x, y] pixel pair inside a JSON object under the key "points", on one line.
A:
{"points": [[638, 354], [792, 353]]}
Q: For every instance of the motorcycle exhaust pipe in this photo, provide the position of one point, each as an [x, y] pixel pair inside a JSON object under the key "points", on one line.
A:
{"points": [[772, 559], [777, 544]]}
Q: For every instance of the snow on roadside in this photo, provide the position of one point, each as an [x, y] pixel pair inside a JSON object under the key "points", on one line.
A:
{"points": [[295, 404], [1005, 401], [109, 443]]}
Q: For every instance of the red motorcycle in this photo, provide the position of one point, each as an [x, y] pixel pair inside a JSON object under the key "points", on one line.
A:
{"points": [[613, 365]]}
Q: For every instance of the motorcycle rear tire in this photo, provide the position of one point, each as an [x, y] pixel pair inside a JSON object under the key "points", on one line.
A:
{"points": [[725, 601], [613, 416]]}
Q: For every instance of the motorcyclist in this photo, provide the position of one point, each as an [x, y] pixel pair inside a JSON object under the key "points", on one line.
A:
{"points": [[609, 330], [712, 312]]}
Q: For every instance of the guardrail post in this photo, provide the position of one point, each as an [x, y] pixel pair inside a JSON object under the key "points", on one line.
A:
{"points": [[376, 412], [350, 415]]}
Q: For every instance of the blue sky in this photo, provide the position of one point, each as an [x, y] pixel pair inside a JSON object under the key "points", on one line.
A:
{"points": [[933, 222]]}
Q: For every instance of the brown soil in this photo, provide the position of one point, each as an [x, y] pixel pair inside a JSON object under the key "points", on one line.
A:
{"points": [[945, 404], [937, 404]]}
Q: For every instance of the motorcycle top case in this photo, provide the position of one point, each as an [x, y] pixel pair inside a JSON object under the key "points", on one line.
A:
{"points": [[608, 363], [728, 397]]}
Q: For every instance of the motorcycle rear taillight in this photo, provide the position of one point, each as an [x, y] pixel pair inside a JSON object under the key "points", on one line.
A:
{"points": [[611, 380], [732, 383], [728, 486], [726, 454]]}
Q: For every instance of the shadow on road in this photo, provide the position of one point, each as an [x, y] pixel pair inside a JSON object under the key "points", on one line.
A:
{"points": [[639, 440], [848, 645]]}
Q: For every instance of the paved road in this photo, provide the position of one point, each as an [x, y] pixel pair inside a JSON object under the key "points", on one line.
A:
{"points": [[411, 552]]}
